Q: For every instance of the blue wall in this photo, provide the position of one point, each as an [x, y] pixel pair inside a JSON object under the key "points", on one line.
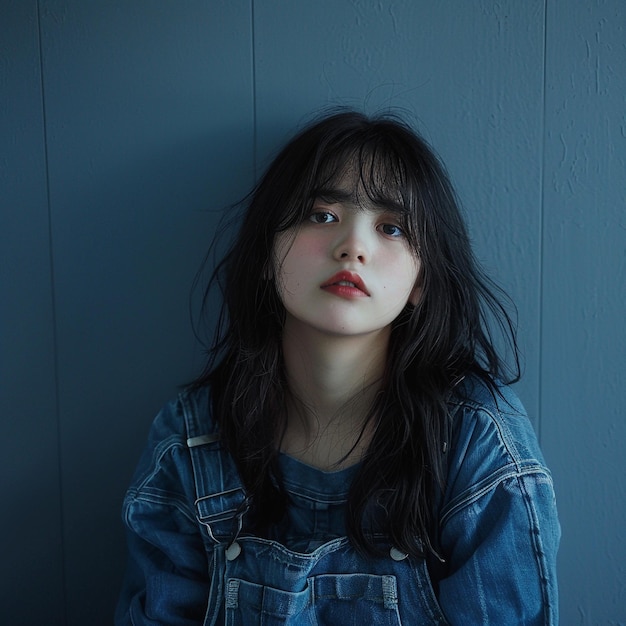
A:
{"points": [[125, 126]]}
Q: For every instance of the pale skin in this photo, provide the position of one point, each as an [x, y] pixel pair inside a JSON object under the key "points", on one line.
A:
{"points": [[335, 381], [335, 337]]}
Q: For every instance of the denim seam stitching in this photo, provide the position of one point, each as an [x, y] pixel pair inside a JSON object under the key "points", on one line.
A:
{"points": [[539, 552], [463, 502], [132, 500]]}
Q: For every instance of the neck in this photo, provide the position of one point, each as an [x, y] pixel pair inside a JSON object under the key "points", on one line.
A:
{"points": [[332, 382]]}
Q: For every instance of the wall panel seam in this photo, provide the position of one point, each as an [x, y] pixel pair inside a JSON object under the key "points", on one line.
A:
{"points": [[254, 91], [541, 247], [53, 309]]}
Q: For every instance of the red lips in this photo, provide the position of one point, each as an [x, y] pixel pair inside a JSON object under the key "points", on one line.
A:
{"points": [[347, 284]]}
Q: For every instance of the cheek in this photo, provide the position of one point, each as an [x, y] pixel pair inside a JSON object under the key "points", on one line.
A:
{"points": [[404, 281], [292, 272], [296, 257]]}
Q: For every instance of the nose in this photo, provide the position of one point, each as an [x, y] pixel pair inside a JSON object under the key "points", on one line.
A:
{"points": [[352, 244]]}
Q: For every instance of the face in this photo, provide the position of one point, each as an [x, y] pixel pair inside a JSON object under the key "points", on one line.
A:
{"points": [[345, 270]]}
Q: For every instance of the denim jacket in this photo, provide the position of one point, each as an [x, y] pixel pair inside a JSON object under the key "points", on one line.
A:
{"points": [[191, 561]]}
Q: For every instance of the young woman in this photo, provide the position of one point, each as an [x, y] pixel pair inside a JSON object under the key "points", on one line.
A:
{"points": [[350, 454]]}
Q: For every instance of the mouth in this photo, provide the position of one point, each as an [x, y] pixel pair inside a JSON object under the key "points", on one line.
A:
{"points": [[346, 283]]}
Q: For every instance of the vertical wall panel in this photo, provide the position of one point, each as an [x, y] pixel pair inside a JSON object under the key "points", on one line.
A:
{"points": [[584, 302], [149, 108], [30, 524], [469, 73]]}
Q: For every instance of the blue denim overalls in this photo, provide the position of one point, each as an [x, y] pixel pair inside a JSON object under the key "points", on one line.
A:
{"points": [[260, 581], [193, 561]]}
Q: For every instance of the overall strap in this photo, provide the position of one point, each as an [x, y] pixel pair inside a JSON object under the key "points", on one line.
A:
{"points": [[221, 499]]}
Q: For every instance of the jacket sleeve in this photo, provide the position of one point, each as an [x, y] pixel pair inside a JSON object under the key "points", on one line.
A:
{"points": [[499, 529], [167, 578]]}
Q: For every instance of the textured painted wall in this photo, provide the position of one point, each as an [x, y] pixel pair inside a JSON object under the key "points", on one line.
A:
{"points": [[583, 380], [123, 126]]}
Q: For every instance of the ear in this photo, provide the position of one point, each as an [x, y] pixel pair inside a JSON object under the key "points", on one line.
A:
{"points": [[416, 293]]}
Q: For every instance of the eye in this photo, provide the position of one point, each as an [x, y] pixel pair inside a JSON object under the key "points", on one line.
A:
{"points": [[391, 230], [322, 217]]}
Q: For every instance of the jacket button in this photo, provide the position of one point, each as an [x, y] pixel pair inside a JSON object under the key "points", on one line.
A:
{"points": [[233, 551], [396, 555]]}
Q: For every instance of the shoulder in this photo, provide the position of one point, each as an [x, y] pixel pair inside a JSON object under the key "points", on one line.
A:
{"points": [[186, 416], [492, 415], [492, 442], [164, 470]]}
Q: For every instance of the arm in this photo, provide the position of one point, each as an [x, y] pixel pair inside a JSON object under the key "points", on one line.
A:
{"points": [[502, 556], [499, 529], [167, 579]]}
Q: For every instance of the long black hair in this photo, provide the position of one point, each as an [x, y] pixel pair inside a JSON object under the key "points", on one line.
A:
{"points": [[446, 337]]}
